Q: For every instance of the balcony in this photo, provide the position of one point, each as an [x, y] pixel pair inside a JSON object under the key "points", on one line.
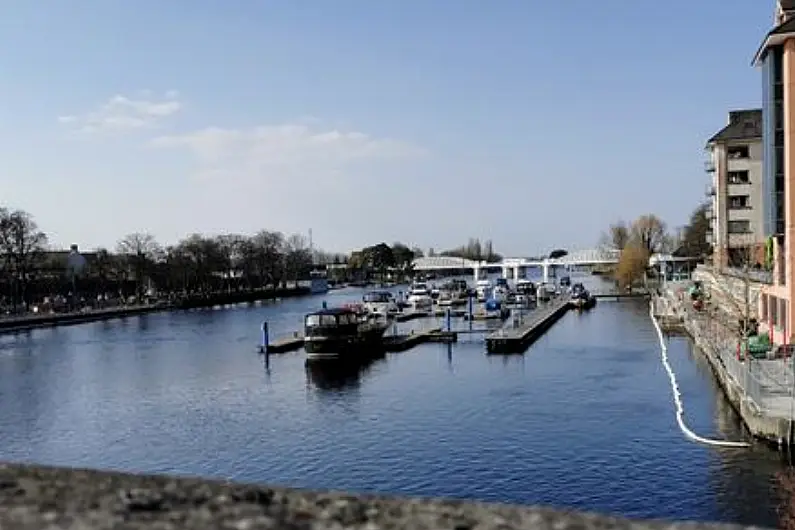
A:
{"points": [[709, 166], [710, 237], [710, 190]]}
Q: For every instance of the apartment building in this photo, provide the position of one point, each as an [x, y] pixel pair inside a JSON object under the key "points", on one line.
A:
{"points": [[736, 191], [776, 57]]}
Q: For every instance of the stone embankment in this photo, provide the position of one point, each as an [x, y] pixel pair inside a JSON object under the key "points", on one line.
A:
{"points": [[33, 497], [760, 390]]}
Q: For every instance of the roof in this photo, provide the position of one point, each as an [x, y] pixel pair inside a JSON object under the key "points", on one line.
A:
{"points": [[333, 311], [775, 37], [743, 125]]}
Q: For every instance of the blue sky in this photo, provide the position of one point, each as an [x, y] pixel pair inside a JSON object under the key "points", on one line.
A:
{"points": [[532, 123]]}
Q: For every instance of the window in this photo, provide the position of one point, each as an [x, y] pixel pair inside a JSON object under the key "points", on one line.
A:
{"points": [[738, 151], [763, 313], [739, 202], [739, 177], [782, 312], [739, 227]]}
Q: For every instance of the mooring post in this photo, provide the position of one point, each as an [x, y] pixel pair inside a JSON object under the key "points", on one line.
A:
{"points": [[449, 320], [470, 312], [264, 346]]}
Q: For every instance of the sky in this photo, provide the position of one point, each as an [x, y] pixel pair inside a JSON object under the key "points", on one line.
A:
{"points": [[532, 123]]}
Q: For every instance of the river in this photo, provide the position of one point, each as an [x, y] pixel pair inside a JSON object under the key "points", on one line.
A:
{"points": [[584, 419]]}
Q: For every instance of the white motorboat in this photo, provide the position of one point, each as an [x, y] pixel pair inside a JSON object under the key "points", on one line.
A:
{"points": [[501, 291], [419, 296], [380, 304], [483, 290]]}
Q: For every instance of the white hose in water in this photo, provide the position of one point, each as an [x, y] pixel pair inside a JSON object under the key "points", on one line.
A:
{"points": [[680, 409]]}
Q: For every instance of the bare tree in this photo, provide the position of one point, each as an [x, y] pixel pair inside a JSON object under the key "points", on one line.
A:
{"points": [[265, 253], [21, 244], [649, 231], [617, 236], [297, 257], [140, 249]]}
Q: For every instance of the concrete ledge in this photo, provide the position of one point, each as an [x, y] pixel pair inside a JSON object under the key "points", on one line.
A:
{"points": [[33, 497]]}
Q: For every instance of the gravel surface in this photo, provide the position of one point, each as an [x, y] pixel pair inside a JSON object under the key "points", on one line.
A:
{"points": [[33, 497]]}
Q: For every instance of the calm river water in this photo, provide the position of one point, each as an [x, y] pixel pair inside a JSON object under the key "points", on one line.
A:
{"points": [[583, 419]]}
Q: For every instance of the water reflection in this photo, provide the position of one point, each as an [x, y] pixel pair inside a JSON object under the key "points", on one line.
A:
{"points": [[338, 376]]}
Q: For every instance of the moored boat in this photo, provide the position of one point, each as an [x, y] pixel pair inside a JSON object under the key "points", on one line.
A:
{"points": [[380, 304], [318, 281], [501, 290], [339, 334], [454, 292], [581, 298], [483, 290], [419, 296], [525, 292]]}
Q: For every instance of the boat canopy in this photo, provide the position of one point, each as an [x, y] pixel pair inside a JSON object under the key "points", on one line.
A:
{"points": [[378, 296], [338, 316]]}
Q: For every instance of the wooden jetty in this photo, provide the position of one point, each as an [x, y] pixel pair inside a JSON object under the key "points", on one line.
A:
{"points": [[515, 339], [411, 315], [287, 344], [400, 343]]}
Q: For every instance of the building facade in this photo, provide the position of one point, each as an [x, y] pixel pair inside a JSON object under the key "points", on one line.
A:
{"points": [[776, 57], [737, 206]]}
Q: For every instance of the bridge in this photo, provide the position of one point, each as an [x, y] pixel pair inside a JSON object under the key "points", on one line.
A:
{"points": [[515, 265]]}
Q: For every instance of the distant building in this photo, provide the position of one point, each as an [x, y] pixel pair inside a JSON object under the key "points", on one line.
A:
{"points": [[737, 208]]}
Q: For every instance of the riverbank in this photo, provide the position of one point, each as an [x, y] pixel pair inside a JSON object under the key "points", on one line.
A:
{"points": [[35, 321], [760, 390], [44, 497]]}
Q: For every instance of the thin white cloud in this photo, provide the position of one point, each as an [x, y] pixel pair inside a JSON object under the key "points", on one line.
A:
{"points": [[124, 113], [284, 151]]}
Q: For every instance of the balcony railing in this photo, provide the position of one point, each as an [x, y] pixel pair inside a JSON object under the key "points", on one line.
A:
{"points": [[710, 190], [754, 275], [709, 212], [709, 166]]}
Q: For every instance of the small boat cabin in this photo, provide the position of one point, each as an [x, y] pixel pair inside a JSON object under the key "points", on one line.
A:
{"points": [[337, 318]]}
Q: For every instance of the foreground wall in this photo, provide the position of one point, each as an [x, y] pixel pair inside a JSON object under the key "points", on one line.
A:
{"points": [[34, 497], [730, 290]]}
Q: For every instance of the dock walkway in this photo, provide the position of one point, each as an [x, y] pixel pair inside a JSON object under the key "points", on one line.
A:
{"points": [[515, 339]]}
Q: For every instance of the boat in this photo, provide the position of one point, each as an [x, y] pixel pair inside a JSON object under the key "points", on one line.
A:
{"points": [[380, 304], [544, 291], [419, 296], [525, 292], [581, 298], [434, 292], [339, 334], [483, 290], [445, 298], [454, 292], [501, 291], [318, 279]]}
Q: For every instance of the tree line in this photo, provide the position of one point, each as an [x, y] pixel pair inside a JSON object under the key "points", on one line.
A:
{"points": [[638, 240], [29, 270]]}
